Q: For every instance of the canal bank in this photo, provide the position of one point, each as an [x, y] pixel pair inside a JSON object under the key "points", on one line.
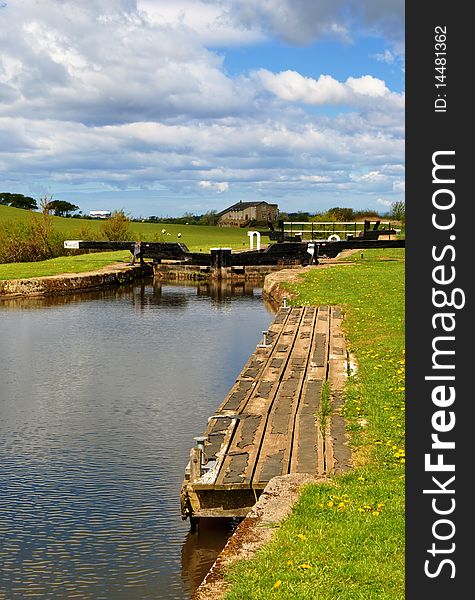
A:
{"points": [[120, 273], [254, 531], [66, 283]]}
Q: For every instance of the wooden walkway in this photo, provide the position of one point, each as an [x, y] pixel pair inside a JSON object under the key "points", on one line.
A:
{"points": [[273, 420]]}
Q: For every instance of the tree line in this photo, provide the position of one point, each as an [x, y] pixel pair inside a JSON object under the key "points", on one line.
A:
{"points": [[59, 208], [396, 212]]}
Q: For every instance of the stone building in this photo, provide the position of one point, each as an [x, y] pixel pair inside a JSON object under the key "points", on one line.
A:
{"points": [[241, 213]]}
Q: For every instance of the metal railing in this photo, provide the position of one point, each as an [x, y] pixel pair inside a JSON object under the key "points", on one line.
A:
{"points": [[329, 230]]}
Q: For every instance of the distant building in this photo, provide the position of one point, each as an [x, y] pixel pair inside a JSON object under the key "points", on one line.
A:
{"points": [[100, 214], [241, 213]]}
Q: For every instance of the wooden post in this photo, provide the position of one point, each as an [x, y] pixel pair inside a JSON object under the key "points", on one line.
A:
{"points": [[195, 464]]}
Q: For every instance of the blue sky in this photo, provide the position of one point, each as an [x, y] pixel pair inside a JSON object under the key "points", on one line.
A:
{"points": [[341, 60], [161, 107]]}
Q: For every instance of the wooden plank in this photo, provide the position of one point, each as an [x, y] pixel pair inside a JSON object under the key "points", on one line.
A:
{"points": [[308, 447], [252, 371], [238, 467], [268, 424], [218, 440], [276, 446]]}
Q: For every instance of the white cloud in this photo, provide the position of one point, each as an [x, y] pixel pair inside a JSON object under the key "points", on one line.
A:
{"points": [[291, 86], [366, 91], [314, 178], [237, 155], [107, 63], [367, 85], [218, 186], [384, 202], [399, 185], [204, 20], [371, 177], [386, 57]]}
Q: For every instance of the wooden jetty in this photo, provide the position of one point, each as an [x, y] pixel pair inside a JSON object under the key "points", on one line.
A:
{"points": [[279, 417]]}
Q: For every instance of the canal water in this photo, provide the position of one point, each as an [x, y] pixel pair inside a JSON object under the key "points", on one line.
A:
{"points": [[101, 395]]}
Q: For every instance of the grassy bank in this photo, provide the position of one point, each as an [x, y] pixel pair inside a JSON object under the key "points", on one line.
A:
{"points": [[345, 540], [63, 264]]}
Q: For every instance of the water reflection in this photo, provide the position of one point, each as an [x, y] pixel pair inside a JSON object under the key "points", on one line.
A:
{"points": [[201, 548], [146, 293], [100, 396]]}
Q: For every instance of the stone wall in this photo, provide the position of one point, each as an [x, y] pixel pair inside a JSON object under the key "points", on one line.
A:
{"points": [[73, 282]]}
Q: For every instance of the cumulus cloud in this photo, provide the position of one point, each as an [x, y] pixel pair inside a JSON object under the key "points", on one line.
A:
{"points": [[218, 186], [366, 91], [273, 154], [205, 20], [108, 62]]}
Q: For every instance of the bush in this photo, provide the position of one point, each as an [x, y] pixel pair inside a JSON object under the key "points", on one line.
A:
{"points": [[368, 214], [117, 227], [30, 241], [209, 218], [340, 214], [85, 233]]}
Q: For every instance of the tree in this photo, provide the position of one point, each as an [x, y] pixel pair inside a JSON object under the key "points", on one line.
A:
{"points": [[299, 216], [398, 211], [61, 208], [18, 201], [209, 218]]}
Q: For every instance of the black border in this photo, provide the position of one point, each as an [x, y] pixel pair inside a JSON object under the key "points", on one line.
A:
{"points": [[428, 132]]}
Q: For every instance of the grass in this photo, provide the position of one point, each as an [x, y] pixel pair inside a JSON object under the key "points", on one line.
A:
{"points": [[63, 264], [345, 539], [196, 237]]}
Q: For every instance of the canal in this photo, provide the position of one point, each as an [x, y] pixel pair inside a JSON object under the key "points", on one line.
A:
{"points": [[101, 394]]}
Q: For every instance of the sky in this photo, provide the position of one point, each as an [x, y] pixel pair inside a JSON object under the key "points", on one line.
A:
{"points": [[167, 107]]}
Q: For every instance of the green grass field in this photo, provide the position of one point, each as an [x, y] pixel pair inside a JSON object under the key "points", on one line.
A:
{"points": [[196, 237], [345, 540]]}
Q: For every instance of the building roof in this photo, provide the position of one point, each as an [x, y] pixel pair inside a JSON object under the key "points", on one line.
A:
{"points": [[242, 206]]}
